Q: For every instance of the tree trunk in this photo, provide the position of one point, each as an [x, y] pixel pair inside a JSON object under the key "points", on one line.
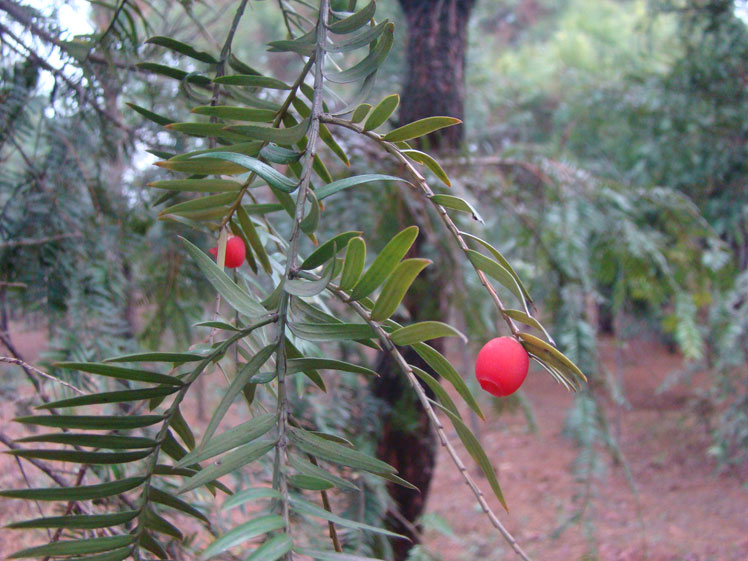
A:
{"points": [[435, 65], [434, 85]]}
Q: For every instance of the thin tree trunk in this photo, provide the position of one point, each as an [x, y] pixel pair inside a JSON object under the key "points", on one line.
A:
{"points": [[434, 85]]}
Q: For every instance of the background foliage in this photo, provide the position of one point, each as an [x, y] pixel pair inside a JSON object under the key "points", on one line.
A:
{"points": [[607, 139]]}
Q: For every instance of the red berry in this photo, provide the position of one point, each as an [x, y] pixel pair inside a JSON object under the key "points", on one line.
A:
{"points": [[235, 252], [501, 366]]}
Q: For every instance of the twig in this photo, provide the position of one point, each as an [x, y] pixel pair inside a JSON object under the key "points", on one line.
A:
{"points": [[426, 190], [281, 453], [29, 368], [38, 241]]}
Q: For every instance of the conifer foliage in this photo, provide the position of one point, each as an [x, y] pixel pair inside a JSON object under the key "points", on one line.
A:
{"points": [[261, 173]]}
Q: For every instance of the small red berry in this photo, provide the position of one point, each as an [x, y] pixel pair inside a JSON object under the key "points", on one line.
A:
{"points": [[501, 366], [235, 252]]}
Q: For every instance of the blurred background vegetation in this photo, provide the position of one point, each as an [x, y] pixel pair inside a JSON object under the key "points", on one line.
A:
{"points": [[605, 146]]}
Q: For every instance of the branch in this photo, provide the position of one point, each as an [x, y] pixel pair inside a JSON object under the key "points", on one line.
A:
{"points": [[425, 402], [20, 15], [281, 454], [428, 193], [38, 241], [76, 87], [28, 368]]}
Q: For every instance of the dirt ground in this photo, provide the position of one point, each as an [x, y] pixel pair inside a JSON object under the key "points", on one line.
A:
{"points": [[686, 510]]}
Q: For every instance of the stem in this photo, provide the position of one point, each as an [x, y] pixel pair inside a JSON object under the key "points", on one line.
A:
{"points": [[279, 117], [281, 455]]}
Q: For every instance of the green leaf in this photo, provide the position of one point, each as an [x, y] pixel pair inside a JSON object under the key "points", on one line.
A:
{"points": [[301, 46], [249, 148], [230, 462], [253, 81], [220, 202], [285, 137], [395, 287], [157, 523], [86, 522], [308, 469], [182, 428], [337, 453], [355, 21], [501, 260], [368, 65], [300, 364], [360, 113], [121, 373], [420, 128], [273, 549], [110, 441], [111, 397], [353, 266], [253, 238], [496, 271], [236, 113], [242, 533], [230, 439], [150, 543], [167, 499], [456, 203], [251, 494], [310, 509], [75, 547], [214, 130], [332, 331], [81, 493], [203, 166], [309, 483], [175, 73], [424, 331], [528, 320], [437, 388], [479, 455], [429, 162], [267, 173], [553, 356], [93, 422], [150, 115], [231, 292], [385, 263], [197, 185], [444, 368], [329, 140], [82, 457], [177, 358], [279, 155], [305, 288], [236, 386], [327, 250], [332, 188], [182, 48], [365, 37], [311, 221], [382, 112]]}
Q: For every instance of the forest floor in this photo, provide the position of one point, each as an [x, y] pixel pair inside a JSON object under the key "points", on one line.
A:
{"points": [[686, 510]]}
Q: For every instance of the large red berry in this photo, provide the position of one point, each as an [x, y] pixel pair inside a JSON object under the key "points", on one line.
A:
{"points": [[501, 366], [235, 252]]}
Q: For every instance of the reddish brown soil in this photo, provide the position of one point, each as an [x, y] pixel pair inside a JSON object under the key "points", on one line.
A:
{"points": [[689, 512]]}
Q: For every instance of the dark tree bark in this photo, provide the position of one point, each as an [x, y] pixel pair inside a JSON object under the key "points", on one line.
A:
{"points": [[434, 85], [435, 71]]}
